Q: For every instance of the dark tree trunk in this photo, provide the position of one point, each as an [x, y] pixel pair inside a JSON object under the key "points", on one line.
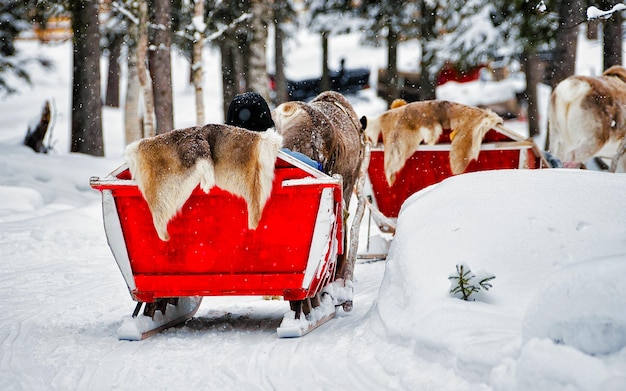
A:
{"points": [[241, 58], [530, 65], [570, 13], [325, 84], [113, 76], [86, 102], [427, 83], [280, 81], [229, 89], [160, 65], [392, 66], [612, 37]]}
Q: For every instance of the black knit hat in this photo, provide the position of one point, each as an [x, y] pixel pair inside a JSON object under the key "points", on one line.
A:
{"points": [[250, 111]]}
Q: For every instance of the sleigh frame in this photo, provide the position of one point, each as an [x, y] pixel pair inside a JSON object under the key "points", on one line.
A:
{"points": [[293, 253]]}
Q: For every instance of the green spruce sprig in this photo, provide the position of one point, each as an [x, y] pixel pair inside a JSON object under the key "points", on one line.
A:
{"points": [[464, 283]]}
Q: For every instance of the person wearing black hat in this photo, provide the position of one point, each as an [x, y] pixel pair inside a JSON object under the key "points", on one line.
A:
{"points": [[250, 111]]}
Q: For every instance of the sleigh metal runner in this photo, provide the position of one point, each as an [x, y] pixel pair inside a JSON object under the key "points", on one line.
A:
{"points": [[501, 148], [294, 252]]}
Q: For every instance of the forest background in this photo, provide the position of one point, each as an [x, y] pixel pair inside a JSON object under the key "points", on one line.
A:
{"points": [[143, 33]]}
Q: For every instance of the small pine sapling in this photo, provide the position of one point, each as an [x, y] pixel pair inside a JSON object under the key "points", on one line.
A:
{"points": [[464, 283]]}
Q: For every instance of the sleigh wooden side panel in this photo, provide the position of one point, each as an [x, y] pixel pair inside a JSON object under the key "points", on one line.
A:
{"points": [[292, 253]]}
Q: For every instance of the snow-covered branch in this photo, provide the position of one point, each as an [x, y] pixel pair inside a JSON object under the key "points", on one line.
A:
{"points": [[124, 11], [594, 13], [234, 23]]}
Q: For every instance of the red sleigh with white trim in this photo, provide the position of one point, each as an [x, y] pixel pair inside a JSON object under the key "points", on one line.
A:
{"points": [[501, 149], [293, 252]]}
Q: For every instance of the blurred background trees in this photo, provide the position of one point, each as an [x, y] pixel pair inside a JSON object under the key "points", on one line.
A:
{"points": [[456, 33]]}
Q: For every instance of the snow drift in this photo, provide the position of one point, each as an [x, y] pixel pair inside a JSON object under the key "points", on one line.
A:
{"points": [[554, 240]]}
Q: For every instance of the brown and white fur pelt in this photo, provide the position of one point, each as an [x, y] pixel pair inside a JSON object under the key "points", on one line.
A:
{"points": [[169, 166], [328, 131], [406, 125], [587, 116]]}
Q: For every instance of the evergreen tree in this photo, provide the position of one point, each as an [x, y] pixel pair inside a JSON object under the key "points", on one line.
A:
{"points": [[476, 31], [328, 18], [228, 26], [17, 16], [464, 283], [285, 23], [392, 21]]}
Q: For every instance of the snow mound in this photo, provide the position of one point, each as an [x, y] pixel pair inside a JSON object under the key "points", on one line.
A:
{"points": [[582, 306], [527, 228]]}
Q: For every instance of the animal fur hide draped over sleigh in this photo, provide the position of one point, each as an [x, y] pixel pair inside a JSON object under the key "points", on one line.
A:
{"points": [[587, 115], [405, 126], [168, 168], [326, 130]]}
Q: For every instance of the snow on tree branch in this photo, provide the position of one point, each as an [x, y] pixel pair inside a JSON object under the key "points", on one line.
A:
{"points": [[595, 13], [230, 26], [124, 11]]}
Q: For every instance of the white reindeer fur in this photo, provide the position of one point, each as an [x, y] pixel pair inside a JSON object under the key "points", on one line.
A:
{"points": [[405, 126], [167, 186], [587, 117]]}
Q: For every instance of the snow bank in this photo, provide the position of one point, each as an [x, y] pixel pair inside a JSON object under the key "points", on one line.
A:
{"points": [[534, 230], [582, 306]]}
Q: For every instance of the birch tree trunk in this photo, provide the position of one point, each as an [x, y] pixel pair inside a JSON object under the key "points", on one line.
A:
{"points": [[258, 64], [197, 69], [131, 106], [142, 71]]}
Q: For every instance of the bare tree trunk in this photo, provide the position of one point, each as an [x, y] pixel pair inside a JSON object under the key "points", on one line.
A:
{"points": [[197, 69], [160, 65], [325, 85], [112, 98], [570, 12], [258, 63], [228, 78], [142, 71], [131, 106], [427, 83], [612, 37], [241, 58], [280, 81], [530, 62], [392, 65], [86, 102]]}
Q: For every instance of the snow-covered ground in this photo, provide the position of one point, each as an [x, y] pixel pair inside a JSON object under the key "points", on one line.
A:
{"points": [[554, 239]]}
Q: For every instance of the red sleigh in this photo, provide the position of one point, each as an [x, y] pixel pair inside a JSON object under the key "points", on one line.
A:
{"points": [[501, 149], [293, 252]]}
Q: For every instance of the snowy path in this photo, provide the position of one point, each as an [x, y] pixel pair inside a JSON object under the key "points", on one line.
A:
{"points": [[62, 310], [62, 313]]}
